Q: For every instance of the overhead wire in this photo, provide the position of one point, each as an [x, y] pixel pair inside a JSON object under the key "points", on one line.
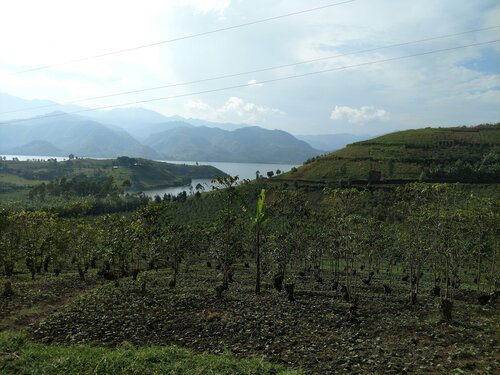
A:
{"points": [[250, 71], [191, 36], [252, 84]]}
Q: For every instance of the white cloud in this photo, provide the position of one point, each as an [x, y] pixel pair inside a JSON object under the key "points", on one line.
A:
{"points": [[197, 105], [442, 89], [254, 83], [358, 115], [235, 109]]}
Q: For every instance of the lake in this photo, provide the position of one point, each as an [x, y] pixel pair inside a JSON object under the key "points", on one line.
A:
{"points": [[243, 170]]}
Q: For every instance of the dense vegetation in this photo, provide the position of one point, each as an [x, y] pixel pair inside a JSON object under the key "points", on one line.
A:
{"points": [[21, 356], [432, 154], [358, 280], [369, 278]]}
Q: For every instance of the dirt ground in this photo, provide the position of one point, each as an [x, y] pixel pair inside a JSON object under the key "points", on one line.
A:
{"points": [[318, 332]]}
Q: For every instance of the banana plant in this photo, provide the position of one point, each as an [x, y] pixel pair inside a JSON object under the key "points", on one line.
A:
{"points": [[260, 218]]}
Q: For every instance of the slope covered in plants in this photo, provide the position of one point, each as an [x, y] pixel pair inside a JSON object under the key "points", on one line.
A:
{"points": [[467, 154]]}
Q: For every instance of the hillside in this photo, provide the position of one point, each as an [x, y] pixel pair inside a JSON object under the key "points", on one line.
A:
{"points": [[248, 144], [36, 147], [141, 173], [140, 123], [70, 134], [469, 154]]}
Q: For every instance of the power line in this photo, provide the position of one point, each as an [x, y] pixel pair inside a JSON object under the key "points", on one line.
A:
{"points": [[261, 82], [251, 71], [183, 37]]}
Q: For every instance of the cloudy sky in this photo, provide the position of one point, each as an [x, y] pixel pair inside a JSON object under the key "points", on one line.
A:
{"points": [[456, 87]]}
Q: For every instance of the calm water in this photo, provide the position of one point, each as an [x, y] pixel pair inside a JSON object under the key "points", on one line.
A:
{"points": [[243, 170]]}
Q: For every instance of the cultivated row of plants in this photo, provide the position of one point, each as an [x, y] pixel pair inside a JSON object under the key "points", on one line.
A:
{"points": [[440, 236]]}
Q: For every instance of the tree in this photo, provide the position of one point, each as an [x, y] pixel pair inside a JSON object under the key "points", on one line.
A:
{"points": [[10, 241], [483, 217], [82, 239], [412, 234], [350, 226], [227, 229], [126, 184], [33, 227], [270, 174], [287, 242], [445, 235]]}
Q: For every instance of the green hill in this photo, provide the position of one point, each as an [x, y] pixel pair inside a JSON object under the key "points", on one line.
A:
{"points": [[141, 173], [468, 154]]}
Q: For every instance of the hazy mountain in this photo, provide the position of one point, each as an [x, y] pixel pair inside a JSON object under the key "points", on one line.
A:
{"points": [[210, 124], [71, 134], [18, 107], [249, 144], [119, 132], [36, 147], [124, 117], [138, 122], [141, 131], [141, 123], [332, 142]]}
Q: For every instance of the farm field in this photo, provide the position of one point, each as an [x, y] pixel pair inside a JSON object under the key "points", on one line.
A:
{"points": [[250, 187], [256, 277], [456, 154], [318, 332], [393, 280]]}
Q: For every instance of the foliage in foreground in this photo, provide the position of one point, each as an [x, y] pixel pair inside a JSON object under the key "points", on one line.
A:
{"points": [[21, 356]]}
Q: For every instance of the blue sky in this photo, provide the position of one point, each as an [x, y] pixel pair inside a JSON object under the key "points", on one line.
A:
{"points": [[456, 87]]}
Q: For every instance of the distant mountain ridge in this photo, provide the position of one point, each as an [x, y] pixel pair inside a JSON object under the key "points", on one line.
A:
{"points": [[248, 144], [13, 108], [71, 134], [36, 147], [139, 132]]}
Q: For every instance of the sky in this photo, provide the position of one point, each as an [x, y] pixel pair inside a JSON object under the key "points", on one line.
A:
{"points": [[457, 87]]}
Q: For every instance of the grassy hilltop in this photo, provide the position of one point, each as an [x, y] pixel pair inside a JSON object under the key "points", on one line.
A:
{"points": [[435, 154]]}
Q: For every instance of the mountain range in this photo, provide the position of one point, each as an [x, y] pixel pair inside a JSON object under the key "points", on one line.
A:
{"points": [[71, 134], [249, 143], [53, 130]]}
